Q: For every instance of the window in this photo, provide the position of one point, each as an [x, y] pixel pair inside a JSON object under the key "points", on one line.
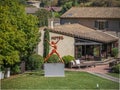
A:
{"points": [[119, 24], [101, 24], [78, 51]]}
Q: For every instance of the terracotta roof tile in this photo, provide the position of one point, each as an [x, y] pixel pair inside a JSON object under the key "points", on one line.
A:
{"points": [[92, 12], [77, 30]]}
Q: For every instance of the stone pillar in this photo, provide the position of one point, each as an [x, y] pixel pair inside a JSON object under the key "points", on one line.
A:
{"points": [[119, 43], [51, 23]]}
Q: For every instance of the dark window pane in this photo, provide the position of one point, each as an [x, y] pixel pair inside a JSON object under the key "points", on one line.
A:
{"points": [[106, 24], [96, 24]]}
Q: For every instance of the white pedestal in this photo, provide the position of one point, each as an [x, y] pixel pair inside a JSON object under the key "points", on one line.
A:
{"points": [[54, 70]]}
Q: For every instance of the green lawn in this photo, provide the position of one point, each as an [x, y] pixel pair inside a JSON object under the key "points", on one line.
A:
{"points": [[71, 81], [114, 75]]}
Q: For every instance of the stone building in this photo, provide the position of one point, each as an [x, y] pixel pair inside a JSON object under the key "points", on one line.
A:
{"points": [[80, 41], [89, 32], [106, 19]]}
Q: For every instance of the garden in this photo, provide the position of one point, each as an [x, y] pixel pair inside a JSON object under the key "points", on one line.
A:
{"points": [[34, 78], [71, 81], [19, 38]]}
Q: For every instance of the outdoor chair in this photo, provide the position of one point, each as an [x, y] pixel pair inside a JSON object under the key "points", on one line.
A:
{"points": [[75, 63], [79, 63]]}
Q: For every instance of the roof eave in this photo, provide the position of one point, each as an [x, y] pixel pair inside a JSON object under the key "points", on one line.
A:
{"points": [[87, 38], [90, 17]]}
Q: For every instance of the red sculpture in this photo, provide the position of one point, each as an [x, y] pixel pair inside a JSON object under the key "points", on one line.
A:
{"points": [[54, 50]]}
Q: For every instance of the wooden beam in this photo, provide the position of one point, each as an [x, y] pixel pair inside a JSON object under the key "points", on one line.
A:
{"points": [[85, 43]]}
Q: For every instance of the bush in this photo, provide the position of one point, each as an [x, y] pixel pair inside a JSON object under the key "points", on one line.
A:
{"points": [[116, 68], [15, 69], [53, 59], [115, 52], [35, 62], [67, 59]]}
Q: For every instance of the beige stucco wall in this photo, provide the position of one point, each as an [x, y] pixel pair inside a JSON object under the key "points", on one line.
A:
{"points": [[65, 46]]}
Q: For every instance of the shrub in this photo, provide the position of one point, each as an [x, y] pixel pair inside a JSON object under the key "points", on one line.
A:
{"points": [[15, 69], [35, 62], [67, 59], [46, 44], [2, 68], [115, 52], [116, 68], [53, 59]]}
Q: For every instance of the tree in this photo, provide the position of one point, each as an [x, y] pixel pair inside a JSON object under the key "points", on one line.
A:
{"points": [[35, 62], [48, 3], [66, 7], [45, 3], [19, 33], [101, 3], [62, 2], [46, 44], [75, 3], [43, 16]]}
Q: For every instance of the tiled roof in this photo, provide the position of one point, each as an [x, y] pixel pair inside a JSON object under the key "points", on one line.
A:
{"points": [[56, 9], [80, 31], [92, 12]]}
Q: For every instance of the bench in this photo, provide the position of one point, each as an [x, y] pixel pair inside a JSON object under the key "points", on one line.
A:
{"points": [[79, 63]]}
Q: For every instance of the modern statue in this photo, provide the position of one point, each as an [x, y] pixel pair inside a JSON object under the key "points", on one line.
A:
{"points": [[54, 46]]}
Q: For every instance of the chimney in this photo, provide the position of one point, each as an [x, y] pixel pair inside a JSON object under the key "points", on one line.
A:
{"points": [[50, 23]]}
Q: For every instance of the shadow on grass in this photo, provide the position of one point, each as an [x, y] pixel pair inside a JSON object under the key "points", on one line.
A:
{"points": [[35, 73]]}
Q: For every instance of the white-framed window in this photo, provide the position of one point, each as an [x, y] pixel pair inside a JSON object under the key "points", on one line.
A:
{"points": [[101, 24]]}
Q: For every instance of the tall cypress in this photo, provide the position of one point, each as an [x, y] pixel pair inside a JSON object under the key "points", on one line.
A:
{"points": [[46, 44]]}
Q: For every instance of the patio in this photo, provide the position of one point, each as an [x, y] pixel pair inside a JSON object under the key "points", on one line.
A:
{"points": [[98, 69]]}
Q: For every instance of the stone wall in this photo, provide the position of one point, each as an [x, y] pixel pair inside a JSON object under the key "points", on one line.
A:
{"points": [[113, 24], [119, 44]]}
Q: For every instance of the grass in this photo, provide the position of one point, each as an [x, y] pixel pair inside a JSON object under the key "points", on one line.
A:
{"points": [[71, 81], [117, 75]]}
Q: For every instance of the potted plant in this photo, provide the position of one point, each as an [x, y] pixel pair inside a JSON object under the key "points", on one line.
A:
{"points": [[115, 52], [67, 59]]}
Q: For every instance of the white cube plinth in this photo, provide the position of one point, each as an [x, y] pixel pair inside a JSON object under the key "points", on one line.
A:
{"points": [[54, 70]]}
